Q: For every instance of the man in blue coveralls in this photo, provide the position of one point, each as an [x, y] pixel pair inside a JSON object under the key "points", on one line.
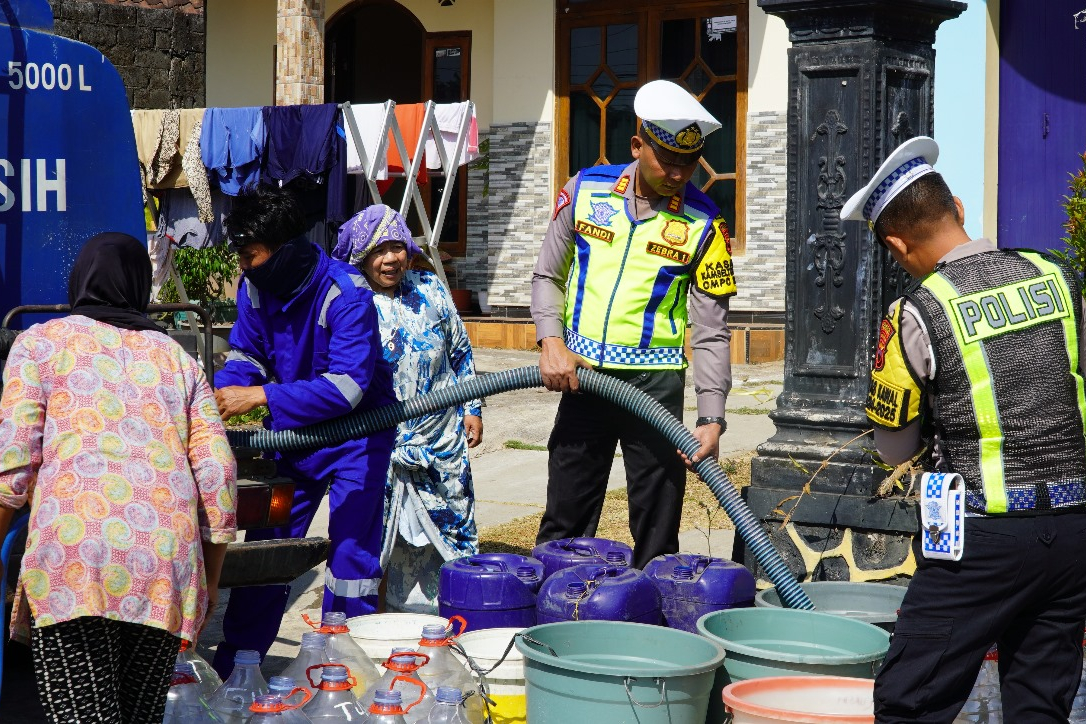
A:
{"points": [[307, 345]]}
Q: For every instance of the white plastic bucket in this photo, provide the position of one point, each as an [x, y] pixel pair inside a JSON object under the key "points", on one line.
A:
{"points": [[379, 633], [801, 700], [506, 683]]}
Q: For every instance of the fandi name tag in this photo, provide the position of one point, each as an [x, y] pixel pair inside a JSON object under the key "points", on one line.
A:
{"points": [[586, 229]]}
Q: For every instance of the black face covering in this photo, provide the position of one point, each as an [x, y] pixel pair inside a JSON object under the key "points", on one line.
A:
{"points": [[287, 271], [111, 282]]}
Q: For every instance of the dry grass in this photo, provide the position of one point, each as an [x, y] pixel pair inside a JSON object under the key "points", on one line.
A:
{"points": [[700, 511]]}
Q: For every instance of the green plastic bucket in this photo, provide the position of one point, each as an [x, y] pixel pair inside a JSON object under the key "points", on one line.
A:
{"points": [[762, 642], [609, 672], [875, 603]]}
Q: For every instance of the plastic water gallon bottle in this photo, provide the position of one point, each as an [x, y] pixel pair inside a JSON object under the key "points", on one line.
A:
{"points": [[184, 702], [387, 708], [448, 709], [206, 677], [443, 668], [1078, 709], [401, 674], [232, 700], [343, 649], [333, 700], [314, 651], [271, 709], [984, 705]]}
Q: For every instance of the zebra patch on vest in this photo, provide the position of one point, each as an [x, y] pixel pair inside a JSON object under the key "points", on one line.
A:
{"points": [[586, 229], [680, 257], [1009, 308]]}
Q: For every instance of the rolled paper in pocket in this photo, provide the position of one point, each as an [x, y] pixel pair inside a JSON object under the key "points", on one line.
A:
{"points": [[942, 516]]}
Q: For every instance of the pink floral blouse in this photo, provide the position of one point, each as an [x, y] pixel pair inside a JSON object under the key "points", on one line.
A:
{"points": [[115, 437]]}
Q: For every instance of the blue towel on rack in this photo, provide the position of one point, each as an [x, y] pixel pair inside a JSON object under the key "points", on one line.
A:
{"points": [[232, 145]]}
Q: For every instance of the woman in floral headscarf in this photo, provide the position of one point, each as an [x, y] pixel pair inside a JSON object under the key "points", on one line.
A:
{"points": [[429, 499]]}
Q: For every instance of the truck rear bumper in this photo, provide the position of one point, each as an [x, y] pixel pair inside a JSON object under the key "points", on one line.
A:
{"points": [[260, 563]]}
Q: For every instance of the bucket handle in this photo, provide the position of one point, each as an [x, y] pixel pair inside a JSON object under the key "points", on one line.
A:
{"points": [[629, 694], [531, 640]]}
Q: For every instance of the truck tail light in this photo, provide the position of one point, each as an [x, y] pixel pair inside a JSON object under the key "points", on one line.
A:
{"points": [[282, 500]]}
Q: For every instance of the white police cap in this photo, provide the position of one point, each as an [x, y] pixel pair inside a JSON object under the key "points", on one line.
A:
{"points": [[673, 118], [906, 164]]}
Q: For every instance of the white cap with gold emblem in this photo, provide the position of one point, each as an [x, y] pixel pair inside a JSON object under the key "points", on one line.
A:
{"points": [[672, 117], [906, 164]]}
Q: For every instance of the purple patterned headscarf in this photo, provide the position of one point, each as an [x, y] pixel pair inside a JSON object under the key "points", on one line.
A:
{"points": [[364, 231]]}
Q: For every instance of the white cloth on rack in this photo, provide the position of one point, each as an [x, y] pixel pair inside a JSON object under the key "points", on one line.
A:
{"points": [[370, 120], [449, 119]]}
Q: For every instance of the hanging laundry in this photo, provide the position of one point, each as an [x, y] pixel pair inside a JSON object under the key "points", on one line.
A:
{"points": [[339, 193], [231, 145], [409, 117], [369, 119], [161, 136], [193, 164], [179, 222], [449, 119], [301, 141]]}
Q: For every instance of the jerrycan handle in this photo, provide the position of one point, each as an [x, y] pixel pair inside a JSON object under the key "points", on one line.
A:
{"points": [[483, 561], [463, 626], [580, 549], [414, 682]]}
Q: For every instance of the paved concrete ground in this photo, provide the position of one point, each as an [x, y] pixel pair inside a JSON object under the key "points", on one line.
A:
{"points": [[509, 483]]}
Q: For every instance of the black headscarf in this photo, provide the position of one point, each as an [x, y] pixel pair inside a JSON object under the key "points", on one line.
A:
{"points": [[111, 282]]}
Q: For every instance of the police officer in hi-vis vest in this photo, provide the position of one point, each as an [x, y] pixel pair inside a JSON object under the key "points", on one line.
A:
{"points": [[627, 249], [983, 357]]}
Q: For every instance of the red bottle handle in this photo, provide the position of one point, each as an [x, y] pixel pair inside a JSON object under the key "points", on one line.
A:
{"points": [[410, 680], [463, 626]]}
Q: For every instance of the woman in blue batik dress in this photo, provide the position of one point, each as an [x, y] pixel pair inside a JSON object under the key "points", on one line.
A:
{"points": [[429, 498]]}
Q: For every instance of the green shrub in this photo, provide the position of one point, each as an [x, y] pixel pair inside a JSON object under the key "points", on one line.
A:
{"points": [[1075, 207], [206, 273]]}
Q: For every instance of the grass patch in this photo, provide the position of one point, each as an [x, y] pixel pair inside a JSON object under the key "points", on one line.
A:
{"points": [[700, 508], [747, 411], [521, 445], [252, 417]]}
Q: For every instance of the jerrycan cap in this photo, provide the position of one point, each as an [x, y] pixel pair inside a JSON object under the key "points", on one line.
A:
{"points": [[617, 558], [683, 573], [576, 589], [247, 657], [527, 573]]}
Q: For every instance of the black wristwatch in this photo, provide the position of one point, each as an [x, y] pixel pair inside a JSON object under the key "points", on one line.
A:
{"points": [[710, 420]]}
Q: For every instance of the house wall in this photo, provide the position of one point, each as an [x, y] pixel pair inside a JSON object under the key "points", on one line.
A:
{"points": [[158, 48], [240, 52], [760, 271]]}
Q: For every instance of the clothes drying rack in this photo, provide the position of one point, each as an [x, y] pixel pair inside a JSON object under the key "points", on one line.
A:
{"points": [[412, 197]]}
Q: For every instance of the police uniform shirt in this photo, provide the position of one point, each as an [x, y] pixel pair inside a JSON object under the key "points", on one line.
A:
{"points": [[896, 446], [708, 316]]}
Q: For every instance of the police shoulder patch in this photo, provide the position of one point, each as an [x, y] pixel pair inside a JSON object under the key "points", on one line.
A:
{"points": [[893, 397], [561, 202], [715, 274]]}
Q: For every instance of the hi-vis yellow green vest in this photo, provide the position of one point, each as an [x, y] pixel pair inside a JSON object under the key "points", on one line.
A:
{"points": [[1007, 398], [626, 295]]}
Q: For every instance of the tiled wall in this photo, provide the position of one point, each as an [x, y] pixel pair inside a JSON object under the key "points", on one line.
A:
{"points": [[299, 61], [760, 272]]}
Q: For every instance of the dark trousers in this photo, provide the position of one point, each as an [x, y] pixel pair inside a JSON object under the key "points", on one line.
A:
{"points": [[582, 450], [1021, 584], [352, 573], [95, 669]]}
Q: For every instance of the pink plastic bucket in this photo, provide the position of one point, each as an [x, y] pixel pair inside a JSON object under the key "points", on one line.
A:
{"points": [[802, 700]]}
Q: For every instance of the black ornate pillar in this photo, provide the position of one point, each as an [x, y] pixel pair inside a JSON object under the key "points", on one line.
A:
{"points": [[861, 81]]}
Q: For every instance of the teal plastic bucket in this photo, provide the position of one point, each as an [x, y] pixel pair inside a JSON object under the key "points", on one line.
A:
{"points": [[763, 642], [875, 603], [609, 672]]}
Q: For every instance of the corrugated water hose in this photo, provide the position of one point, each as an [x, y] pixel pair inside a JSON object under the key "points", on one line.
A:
{"points": [[613, 390]]}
